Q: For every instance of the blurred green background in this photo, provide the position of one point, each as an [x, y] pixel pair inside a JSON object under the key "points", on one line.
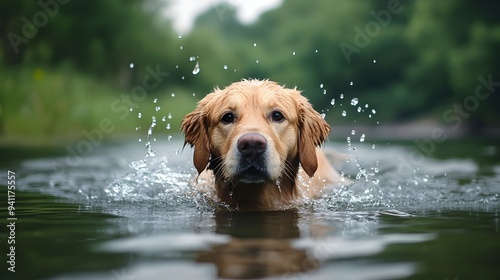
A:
{"points": [[70, 69]]}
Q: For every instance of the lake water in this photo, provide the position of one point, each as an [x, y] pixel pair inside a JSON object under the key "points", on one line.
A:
{"points": [[115, 214]]}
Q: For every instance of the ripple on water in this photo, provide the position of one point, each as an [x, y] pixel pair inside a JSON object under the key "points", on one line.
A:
{"points": [[380, 181]]}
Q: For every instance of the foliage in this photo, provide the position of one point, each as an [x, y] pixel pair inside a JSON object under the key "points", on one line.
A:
{"points": [[407, 59]]}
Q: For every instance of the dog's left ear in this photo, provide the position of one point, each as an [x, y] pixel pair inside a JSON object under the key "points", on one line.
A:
{"points": [[313, 131], [195, 128]]}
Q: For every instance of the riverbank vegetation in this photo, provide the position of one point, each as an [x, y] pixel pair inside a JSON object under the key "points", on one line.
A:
{"points": [[65, 66]]}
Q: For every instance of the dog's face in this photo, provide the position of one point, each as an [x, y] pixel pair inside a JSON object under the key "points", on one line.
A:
{"points": [[253, 130]]}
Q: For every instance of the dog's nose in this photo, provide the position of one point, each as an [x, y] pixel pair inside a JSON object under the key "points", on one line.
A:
{"points": [[252, 145]]}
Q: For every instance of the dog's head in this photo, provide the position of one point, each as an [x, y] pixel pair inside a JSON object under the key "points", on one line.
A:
{"points": [[253, 131]]}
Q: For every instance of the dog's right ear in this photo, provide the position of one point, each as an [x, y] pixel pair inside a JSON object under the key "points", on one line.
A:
{"points": [[195, 129]]}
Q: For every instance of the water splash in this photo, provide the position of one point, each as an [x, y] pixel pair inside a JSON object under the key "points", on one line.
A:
{"points": [[362, 138], [196, 68], [149, 149], [354, 101]]}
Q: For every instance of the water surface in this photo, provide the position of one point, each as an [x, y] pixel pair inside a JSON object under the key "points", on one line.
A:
{"points": [[116, 214]]}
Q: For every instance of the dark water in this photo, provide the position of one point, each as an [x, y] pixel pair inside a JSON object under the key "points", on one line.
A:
{"points": [[115, 215]]}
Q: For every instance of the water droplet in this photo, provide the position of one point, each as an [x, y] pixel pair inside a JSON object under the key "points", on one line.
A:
{"points": [[255, 44], [323, 115], [169, 138], [344, 113], [362, 138], [359, 109], [163, 119], [225, 67], [169, 116], [168, 126], [131, 109], [196, 68], [155, 100], [192, 58], [180, 36], [333, 101], [140, 139], [194, 94], [131, 65], [157, 108], [137, 128], [341, 96], [320, 85], [316, 51], [354, 101], [257, 61], [181, 48], [366, 105], [374, 61], [139, 115], [373, 111], [373, 146], [353, 132], [173, 94], [293, 53], [351, 83]]}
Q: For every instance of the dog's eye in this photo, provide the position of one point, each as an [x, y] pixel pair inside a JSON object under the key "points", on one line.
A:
{"points": [[227, 118], [277, 116]]}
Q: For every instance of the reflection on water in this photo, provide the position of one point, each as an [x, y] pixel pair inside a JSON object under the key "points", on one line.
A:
{"points": [[381, 180], [249, 245], [392, 222], [260, 245]]}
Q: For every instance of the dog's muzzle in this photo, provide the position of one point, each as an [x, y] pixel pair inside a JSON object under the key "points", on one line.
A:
{"points": [[252, 158]]}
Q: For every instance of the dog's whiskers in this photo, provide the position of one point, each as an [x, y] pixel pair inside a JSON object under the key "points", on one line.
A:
{"points": [[288, 170]]}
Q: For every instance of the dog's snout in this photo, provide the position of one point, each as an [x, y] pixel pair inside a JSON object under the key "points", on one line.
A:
{"points": [[252, 145]]}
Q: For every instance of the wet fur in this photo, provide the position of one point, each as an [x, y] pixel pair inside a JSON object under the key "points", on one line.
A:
{"points": [[291, 143]]}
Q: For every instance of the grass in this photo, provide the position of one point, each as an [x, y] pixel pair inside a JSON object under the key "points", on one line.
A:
{"points": [[47, 107]]}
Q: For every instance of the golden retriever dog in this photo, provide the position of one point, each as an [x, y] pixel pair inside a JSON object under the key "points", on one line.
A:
{"points": [[249, 140]]}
